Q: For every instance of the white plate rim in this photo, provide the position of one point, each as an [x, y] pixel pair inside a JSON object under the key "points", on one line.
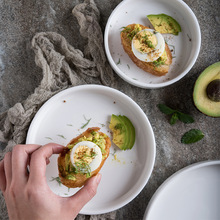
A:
{"points": [[134, 192], [163, 186], [148, 85]]}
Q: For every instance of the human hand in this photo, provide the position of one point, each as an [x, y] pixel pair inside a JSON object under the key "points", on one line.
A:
{"points": [[28, 196]]}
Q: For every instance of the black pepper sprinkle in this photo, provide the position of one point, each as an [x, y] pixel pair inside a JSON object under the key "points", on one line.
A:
{"points": [[64, 101]]}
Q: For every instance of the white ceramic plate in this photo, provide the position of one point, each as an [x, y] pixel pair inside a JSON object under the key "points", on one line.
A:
{"points": [[124, 173], [185, 47], [192, 193]]}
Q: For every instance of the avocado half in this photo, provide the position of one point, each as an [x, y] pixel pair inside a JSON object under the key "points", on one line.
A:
{"points": [[164, 24], [202, 100]]}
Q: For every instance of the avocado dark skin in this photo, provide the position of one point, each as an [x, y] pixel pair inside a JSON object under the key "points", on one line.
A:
{"points": [[213, 90]]}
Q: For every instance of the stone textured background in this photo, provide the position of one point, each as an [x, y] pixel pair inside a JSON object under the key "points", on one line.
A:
{"points": [[20, 20]]}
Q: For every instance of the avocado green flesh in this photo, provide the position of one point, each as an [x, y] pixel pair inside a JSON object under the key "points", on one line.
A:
{"points": [[200, 98], [67, 161], [131, 131], [164, 24], [123, 132], [119, 131]]}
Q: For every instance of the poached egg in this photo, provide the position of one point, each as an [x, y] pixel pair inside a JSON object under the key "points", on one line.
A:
{"points": [[148, 45], [86, 156]]}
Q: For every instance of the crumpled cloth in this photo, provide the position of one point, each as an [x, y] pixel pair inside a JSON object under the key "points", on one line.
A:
{"points": [[62, 66]]}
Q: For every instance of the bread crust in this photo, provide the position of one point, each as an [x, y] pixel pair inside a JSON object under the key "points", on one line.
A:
{"points": [[81, 179], [146, 66]]}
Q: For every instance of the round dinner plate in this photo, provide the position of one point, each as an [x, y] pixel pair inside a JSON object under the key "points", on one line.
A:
{"points": [[185, 47], [71, 112], [191, 193]]}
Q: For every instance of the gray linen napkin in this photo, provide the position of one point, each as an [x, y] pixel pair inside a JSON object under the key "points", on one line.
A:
{"points": [[63, 66]]}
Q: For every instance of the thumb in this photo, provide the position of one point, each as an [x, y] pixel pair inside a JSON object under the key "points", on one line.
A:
{"points": [[85, 194]]}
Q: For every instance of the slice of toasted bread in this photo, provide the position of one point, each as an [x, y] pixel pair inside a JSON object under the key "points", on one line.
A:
{"points": [[150, 67], [79, 178]]}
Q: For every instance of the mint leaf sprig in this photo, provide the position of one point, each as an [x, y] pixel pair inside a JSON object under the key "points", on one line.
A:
{"points": [[192, 136], [188, 137], [175, 115]]}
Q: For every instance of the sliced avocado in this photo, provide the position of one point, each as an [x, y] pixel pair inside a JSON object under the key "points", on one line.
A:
{"points": [[164, 24], [131, 131], [203, 101], [164, 56], [67, 161], [120, 132], [123, 131], [70, 177], [127, 133]]}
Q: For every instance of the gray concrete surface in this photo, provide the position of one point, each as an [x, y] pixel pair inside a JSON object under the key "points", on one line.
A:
{"points": [[20, 20]]}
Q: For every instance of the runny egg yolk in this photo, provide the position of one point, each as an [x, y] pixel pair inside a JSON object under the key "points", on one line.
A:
{"points": [[86, 156], [148, 45]]}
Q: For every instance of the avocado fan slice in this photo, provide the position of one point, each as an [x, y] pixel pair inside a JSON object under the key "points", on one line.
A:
{"points": [[164, 24], [123, 131], [131, 131]]}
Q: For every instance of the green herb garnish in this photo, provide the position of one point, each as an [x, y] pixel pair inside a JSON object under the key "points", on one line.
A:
{"points": [[158, 62], [126, 29], [82, 167], [60, 135], [133, 33], [113, 154], [192, 136], [147, 41], [49, 138], [103, 125], [93, 133], [88, 120], [93, 154], [175, 115], [119, 61], [56, 179]]}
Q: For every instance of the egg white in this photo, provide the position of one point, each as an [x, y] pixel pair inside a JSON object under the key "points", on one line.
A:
{"points": [[97, 159], [154, 54]]}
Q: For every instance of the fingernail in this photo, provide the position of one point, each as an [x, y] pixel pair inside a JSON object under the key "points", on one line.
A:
{"points": [[98, 178]]}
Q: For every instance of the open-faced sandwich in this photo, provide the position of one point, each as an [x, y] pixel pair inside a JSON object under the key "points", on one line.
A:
{"points": [[83, 157], [146, 48]]}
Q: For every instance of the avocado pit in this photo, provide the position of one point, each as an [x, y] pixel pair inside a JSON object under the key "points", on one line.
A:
{"points": [[213, 90]]}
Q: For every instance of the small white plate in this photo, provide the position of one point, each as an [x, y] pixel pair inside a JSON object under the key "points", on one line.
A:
{"points": [[184, 47], [124, 173], [192, 193]]}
